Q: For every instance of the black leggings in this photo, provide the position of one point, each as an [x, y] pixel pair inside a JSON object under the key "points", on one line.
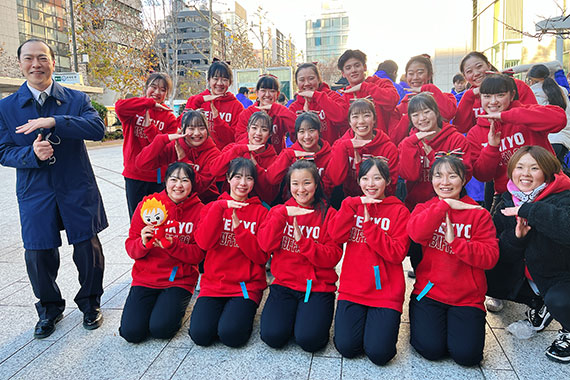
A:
{"points": [[227, 318], [286, 314], [437, 329], [557, 300], [154, 312], [372, 330]]}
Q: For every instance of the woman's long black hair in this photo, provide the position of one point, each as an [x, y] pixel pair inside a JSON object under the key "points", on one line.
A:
{"points": [[549, 86]]}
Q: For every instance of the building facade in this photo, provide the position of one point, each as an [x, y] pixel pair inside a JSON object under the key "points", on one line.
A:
{"points": [[326, 35], [506, 32]]}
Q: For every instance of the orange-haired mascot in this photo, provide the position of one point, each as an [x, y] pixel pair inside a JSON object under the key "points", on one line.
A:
{"points": [[155, 214]]}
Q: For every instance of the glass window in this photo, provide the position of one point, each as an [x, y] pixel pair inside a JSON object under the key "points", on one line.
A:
{"points": [[317, 41], [38, 30], [317, 23], [335, 22], [345, 21], [327, 22]]}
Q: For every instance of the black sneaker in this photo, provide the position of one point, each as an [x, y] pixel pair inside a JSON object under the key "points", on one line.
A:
{"points": [[539, 318], [559, 350]]}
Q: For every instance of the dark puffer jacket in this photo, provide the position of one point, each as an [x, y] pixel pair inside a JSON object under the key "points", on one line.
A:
{"points": [[545, 250]]}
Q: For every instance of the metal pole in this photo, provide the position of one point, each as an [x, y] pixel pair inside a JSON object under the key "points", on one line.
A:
{"points": [[73, 42], [262, 43], [211, 34]]}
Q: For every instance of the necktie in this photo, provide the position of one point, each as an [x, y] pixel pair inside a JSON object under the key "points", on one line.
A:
{"points": [[42, 98]]}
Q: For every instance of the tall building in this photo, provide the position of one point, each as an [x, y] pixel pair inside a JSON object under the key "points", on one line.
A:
{"points": [[282, 49], [46, 20], [186, 41], [327, 34], [504, 30]]}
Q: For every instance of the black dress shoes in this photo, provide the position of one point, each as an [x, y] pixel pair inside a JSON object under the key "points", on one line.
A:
{"points": [[46, 327], [92, 319]]}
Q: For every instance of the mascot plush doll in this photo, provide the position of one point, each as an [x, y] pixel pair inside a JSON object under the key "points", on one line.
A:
{"points": [[155, 214]]}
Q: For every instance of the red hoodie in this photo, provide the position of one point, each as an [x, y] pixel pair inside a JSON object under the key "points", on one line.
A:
{"points": [[331, 109], [456, 270], [132, 113], [222, 128], [399, 122], [384, 95], [343, 170], [283, 122], [162, 152], [470, 106], [313, 257], [262, 188], [233, 256], [521, 124], [161, 268], [277, 171], [415, 164], [381, 242]]}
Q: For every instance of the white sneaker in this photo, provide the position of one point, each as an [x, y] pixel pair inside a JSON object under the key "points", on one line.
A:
{"points": [[494, 304]]}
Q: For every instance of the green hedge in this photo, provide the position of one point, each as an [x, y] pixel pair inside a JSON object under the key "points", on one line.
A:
{"points": [[101, 110]]}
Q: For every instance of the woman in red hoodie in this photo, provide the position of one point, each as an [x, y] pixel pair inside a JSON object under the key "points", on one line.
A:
{"points": [[371, 289], [267, 91], [194, 146], [163, 278], [505, 126], [255, 148], [447, 314], [309, 145], [316, 96], [301, 299], [234, 270], [142, 119], [362, 141], [475, 67], [428, 136], [221, 107], [419, 75]]}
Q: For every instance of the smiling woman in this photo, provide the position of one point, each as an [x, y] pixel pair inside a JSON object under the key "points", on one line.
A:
{"points": [[532, 224], [143, 118], [234, 270], [447, 314], [163, 278]]}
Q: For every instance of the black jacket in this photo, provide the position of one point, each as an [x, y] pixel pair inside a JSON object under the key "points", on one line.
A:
{"points": [[545, 249]]}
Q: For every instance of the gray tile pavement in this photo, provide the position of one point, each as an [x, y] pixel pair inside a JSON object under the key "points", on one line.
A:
{"points": [[74, 353]]}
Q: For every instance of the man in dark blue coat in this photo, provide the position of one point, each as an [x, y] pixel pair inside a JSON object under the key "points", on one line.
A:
{"points": [[42, 128]]}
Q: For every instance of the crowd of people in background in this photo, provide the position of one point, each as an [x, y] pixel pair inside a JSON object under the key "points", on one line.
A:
{"points": [[470, 184]]}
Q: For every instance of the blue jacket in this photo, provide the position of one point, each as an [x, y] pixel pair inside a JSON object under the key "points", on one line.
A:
{"points": [[244, 100], [64, 194], [400, 89], [458, 95]]}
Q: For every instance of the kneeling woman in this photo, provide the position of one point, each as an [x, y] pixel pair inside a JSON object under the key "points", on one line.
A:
{"points": [[533, 230], [163, 278], [301, 300], [371, 290], [234, 270], [458, 240]]}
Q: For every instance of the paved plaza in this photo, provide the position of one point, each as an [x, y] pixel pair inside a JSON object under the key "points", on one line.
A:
{"points": [[75, 353]]}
